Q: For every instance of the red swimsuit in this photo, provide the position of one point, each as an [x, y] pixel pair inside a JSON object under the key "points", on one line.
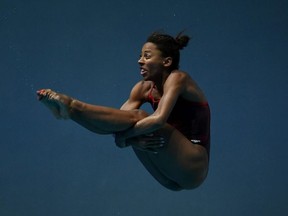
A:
{"points": [[192, 119]]}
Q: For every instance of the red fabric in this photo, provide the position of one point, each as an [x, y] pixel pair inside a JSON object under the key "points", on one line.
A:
{"points": [[192, 119]]}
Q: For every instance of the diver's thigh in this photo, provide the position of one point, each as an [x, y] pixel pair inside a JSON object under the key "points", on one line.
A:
{"points": [[179, 164], [154, 170], [184, 162]]}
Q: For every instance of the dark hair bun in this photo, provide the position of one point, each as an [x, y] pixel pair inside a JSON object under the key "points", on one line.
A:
{"points": [[182, 40]]}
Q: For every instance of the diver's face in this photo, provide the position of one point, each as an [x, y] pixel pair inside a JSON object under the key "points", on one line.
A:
{"points": [[151, 61]]}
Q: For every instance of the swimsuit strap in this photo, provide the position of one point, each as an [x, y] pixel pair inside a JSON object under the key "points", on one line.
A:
{"points": [[150, 96], [151, 99], [155, 102]]}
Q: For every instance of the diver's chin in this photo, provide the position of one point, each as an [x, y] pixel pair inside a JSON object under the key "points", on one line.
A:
{"points": [[146, 78]]}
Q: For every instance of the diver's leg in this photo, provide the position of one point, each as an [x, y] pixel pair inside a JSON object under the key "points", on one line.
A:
{"points": [[105, 120], [178, 165], [152, 168], [99, 119]]}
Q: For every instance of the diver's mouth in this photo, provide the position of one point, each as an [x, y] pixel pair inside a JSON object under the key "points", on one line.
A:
{"points": [[143, 71]]}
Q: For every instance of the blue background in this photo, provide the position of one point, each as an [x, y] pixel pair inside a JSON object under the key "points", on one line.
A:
{"points": [[89, 50]]}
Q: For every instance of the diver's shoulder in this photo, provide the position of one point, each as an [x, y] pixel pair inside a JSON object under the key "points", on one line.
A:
{"points": [[143, 86], [180, 73], [180, 76]]}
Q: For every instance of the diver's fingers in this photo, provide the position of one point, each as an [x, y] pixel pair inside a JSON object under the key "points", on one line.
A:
{"points": [[148, 150], [155, 143]]}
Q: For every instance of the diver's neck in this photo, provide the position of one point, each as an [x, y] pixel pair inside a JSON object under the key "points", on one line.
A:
{"points": [[159, 83]]}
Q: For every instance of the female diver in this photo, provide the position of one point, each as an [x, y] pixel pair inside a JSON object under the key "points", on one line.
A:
{"points": [[172, 143]]}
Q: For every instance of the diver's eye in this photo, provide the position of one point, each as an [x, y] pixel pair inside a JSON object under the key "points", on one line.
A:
{"points": [[147, 56]]}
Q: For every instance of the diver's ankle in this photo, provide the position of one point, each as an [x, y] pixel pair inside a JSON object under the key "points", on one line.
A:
{"points": [[75, 106]]}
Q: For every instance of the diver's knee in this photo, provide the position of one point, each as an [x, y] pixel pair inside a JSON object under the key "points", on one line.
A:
{"points": [[140, 114]]}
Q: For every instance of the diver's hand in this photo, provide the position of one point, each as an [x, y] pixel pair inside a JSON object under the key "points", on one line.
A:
{"points": [[148, 143], [120, 140], [58, 104]]}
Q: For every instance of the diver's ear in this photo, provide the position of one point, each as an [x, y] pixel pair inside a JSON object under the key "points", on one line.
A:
{"points": [[167, 61]]}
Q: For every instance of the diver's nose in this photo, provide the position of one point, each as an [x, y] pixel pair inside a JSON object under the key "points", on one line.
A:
{"points": [[140, 61]]}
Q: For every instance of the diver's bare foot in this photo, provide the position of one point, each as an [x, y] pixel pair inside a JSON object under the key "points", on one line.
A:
{"points": [[57, 103]]}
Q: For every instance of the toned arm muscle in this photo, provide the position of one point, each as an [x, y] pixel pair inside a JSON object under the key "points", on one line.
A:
{"points": [[174, 86], [135, 99]]}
